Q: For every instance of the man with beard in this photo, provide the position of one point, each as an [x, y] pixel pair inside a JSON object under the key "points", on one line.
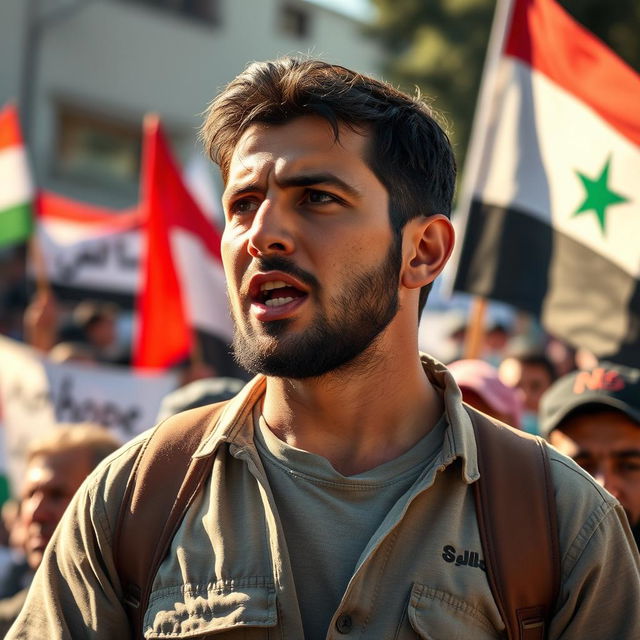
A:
{"points": [[594, 417], [341, 478]]}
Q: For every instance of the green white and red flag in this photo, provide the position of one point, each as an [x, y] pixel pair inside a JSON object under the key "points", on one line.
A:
{"points": [[16, 187], [550, 210]]}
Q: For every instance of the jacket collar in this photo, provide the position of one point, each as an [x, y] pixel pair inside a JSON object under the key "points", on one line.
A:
{"points": [[235, 425], [459, 439]]}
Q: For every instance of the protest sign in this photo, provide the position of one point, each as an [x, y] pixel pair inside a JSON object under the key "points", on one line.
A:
{"points": [[36, 393]]}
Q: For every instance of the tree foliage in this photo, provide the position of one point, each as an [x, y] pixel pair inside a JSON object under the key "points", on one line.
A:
{"points": [[439, 46]]}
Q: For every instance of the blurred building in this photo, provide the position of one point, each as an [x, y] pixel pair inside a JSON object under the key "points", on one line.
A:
{"points": [[86, 71]]}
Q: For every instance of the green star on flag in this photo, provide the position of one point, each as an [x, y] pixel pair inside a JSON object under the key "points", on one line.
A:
{"points": [[598, 195]]}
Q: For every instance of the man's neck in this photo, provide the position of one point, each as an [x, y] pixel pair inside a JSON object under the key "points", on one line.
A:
{"points": [[358, 418]]}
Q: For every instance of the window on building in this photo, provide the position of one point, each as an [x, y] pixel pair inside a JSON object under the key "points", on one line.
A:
{"points": [[205, 10], [95, 149], [295, 21]]}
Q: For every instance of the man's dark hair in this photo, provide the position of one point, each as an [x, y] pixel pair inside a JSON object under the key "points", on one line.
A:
{"points": [[409, 153]]}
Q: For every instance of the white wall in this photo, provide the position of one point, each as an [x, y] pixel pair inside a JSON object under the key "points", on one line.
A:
{"points": [[125, 60]]}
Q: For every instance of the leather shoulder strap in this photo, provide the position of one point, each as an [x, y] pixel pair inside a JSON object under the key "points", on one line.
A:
{"points": [[517, 518], [162, 485]]}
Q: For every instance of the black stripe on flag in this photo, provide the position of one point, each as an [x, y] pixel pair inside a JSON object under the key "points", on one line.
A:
{"points": [[506, 256], [579, 295]]}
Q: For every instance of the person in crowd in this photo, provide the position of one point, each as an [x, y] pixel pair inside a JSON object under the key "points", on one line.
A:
{"points": [[97, 322], [482, 389], [345, 467], [531, 373], [593, 416], [56, 466], [497, 336], [496, 341]]}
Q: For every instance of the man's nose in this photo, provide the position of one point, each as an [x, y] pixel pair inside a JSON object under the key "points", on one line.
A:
{"points": [[270, 230]]}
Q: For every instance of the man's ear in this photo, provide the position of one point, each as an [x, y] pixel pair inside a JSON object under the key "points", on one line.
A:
{"points": [[426, 247]]}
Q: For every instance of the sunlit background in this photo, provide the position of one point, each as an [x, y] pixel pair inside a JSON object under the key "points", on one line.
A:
{"points": [[85, 72]]}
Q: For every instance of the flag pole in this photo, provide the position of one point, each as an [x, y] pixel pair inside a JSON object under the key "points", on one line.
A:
{"points": [[36, 257], [474, 337], [479, 132], [41, 315]]}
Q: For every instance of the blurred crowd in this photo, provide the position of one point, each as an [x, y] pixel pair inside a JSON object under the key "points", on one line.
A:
{"points": [[588, 410]]}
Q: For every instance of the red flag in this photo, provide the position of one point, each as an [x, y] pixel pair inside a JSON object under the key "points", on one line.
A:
{"points": [[167, 308], [52, 206]]}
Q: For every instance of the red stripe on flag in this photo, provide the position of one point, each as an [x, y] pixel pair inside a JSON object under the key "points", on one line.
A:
{"points": [[164, 336], [10, 135], [544, 36], [51, 206]]}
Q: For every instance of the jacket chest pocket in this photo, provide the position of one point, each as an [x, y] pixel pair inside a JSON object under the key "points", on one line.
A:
{"points": [[232, 610], [434, 614]]}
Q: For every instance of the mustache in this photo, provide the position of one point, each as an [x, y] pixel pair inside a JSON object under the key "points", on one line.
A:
{"points": [[279, 263]]}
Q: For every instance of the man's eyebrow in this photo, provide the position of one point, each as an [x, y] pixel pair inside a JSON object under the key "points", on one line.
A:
{"points": [[304, 180], [238, 191], [312, 179]]}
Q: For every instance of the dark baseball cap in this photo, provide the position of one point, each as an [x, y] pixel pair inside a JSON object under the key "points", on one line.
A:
{"points": [[607, 385]]}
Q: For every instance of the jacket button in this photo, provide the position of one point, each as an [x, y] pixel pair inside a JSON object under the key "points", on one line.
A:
{"points": [[344, 623]]}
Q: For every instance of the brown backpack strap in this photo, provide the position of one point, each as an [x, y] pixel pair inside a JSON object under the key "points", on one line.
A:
{"points": [[163, 483], [517, 518]]}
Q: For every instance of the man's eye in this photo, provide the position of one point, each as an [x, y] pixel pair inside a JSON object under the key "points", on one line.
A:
{"points": [[246, 205], [320, 197]]}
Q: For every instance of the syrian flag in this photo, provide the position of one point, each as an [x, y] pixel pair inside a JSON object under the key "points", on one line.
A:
{"points": [[183, 284], [16, 188], [89, 251], [552, 196]]}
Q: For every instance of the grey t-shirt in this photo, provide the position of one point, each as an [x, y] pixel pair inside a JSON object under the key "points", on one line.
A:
{"points": [[328, 518]]}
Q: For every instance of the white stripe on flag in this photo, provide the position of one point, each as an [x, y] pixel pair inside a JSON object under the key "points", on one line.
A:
{"points": [[86, 256], [203, 284], [15, 181]]}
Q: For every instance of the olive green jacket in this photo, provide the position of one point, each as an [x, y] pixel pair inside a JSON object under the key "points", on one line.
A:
{"points": [[421, 575]]}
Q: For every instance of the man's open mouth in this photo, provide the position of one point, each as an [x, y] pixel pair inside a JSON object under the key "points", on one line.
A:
{"points": [[277, 293]]}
